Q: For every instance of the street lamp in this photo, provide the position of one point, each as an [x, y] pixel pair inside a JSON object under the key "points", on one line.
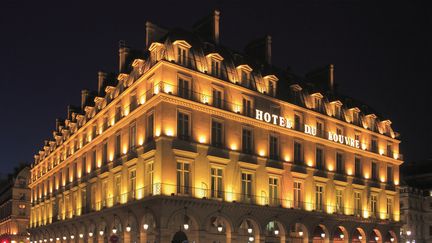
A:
{"points": [[186, 220]]}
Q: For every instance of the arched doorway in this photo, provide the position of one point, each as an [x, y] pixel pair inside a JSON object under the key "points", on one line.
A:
{"points": [[179, 237], [358, 236], [320, 234]]}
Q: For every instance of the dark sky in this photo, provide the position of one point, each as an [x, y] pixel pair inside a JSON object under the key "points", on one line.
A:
{"points": [[50, 51]]}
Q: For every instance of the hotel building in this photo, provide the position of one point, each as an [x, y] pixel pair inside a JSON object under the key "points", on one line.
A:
{"points": [[15, 206], [194, 141]]}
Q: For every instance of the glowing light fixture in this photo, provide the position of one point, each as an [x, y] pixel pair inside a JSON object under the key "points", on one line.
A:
{"points": [[90, 234], [128, 228], [81, 235], [145, 226], [300, 233], [114, 230], [219, 228], [323, 235], [101, 232], [251, 239]]}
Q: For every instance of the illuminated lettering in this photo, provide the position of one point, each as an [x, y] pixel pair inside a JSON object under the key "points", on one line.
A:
{"points": [[259, 114]]}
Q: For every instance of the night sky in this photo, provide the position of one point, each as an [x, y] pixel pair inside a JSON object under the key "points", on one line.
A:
{"points": [[51, 51]]}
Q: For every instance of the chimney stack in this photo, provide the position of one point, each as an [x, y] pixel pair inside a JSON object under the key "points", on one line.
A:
{"points": [[216, 16], [123, 53], [58, 122], [331, 77], [84, 96], [260, 49], [153, 33], [101, 82]]}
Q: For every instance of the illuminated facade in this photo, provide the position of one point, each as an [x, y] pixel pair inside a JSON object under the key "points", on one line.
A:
{"points": [[193, 140], [15, 207]]}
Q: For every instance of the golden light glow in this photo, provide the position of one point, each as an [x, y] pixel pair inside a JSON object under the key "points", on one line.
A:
{"points": [[142, 100], [233, 146], [366, 175], [205, 99], [396, 182], [111, 157], [125, 149], [261, 153], [156, 89], [381, 151], [365, 214], [309, 163], [330, 167], [126, 111], [169, 132], [364, 146], [112, 122], [158, 132], [395, 155], [140, 140], [168, 88], [236, 108], [202, 139], [287, 158], [382, 179], [100, 130], [349, 171]]}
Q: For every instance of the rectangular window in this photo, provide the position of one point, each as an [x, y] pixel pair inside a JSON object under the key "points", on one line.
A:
{"points": [[93, 159], [374, 145], [215, 67], [374, 170], [183, 88], [246, 189], [117, 113], [338, 112], [244, 78], [320, 129], [357, 203], [297, 195], [181, 56], [340, 165], [149, 179], [355, 115], [216, 183], [133, 102], [390, 174], [297, 122], [93, 197], [183, 178], [104, 195], [217, 133], [150, 127], [389, 150], [298, 157], [273, 191], [247, 107], [339, 201], [271, 88], [105, 153], [274, 147], [132, 183], [358, 167], [132, 136], [117, 189], [319, 198], [84, 200], [339, 131], [389, 208], [117, 150], [183, 126], [373, 205], [217, 98], [319, 157], [247, 141]]}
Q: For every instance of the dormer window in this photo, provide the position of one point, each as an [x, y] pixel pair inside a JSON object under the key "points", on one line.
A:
{"points": [[245, 73], [372, 122], [215, 61], [270, 82], [317, 102], [156, 51], [182, 52], [181, 55], [355, 119], [337, 109], [215, 67]]}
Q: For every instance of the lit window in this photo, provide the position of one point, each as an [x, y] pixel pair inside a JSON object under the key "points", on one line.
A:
{"points": [[132, 136], [273, 191], [216, 183], [183, 88], [217, 98], [339, 201], [319, 198], [215, 67], [246, 190], [357, 203], [183, 178], [297, 195]]}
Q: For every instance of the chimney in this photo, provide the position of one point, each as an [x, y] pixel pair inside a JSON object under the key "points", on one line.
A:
{"points": [[268, 44], [216, 16], [58, 122], [208, 27], [153, 33], [260, 49], [331, 77], [101, 82], [69, 112], [84, 96], [123, 53]]}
